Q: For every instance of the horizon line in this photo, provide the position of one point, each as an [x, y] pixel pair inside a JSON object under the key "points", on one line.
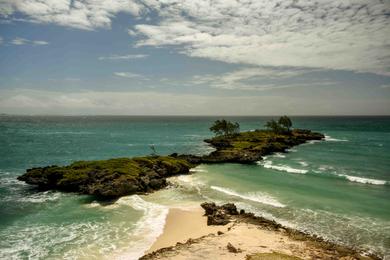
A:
{"points": [[135, 115]]}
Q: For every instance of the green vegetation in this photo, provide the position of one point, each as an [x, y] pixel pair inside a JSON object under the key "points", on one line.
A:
{"points": [[283, 125], [225, 128], [285, 122], [110, 178], [248, 147]]}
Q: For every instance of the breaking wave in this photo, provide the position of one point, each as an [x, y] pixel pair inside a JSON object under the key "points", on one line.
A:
{"points": [[148, 228], [284, 168], [363, 180], [252, 196], [331, 139]]}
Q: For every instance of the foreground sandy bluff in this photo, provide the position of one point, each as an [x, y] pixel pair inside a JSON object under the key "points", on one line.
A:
{"points": [[239, 235]]}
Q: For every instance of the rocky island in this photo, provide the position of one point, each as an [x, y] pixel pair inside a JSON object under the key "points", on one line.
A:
{"points": [[125, 176], [109, 178], [249, 147]]}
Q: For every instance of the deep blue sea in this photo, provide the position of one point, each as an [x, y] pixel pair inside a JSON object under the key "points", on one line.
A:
{"points": [[338, 188]]}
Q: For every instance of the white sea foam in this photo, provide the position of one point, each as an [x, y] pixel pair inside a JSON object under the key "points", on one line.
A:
{"points": [[363, 180], [303, 163], [292, 150], [331, 139], [252, 196], [198, 169], [41, 197], [279, 155], [188, 183], [323, 168], [284, 168], [148, 228]]}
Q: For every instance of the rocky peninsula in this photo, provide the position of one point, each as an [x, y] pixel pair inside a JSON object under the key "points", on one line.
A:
{"points": [[125, 176], [236, 234]]}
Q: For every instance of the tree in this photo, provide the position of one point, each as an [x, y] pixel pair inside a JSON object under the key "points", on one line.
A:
{"points": [[285, 121], [154, 152], [224, 127], [274, 126]]}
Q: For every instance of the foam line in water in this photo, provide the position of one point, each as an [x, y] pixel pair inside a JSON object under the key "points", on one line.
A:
{"points": [[252, 196], [148, 228], [283, 168], [198, 169], [41, 197], [363, 180], [331, 139], [303, 163], [279, 155]]}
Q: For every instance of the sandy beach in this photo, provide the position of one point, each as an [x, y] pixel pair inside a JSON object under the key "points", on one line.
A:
{"points": [[183, 224], [187, 236]]}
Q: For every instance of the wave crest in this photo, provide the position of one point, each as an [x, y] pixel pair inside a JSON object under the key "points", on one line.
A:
{"points": [[363, 180], [331, 139], [283, 168], [252, 196], [148, 228]]}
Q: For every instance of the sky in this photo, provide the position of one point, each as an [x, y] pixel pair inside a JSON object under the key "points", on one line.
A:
{"points": [[195, 57]]}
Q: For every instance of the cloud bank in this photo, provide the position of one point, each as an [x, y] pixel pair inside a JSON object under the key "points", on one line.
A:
{"points": [[81, 14], [341, 35], [154, 103]]}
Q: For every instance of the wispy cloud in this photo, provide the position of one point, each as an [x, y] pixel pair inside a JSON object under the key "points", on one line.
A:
{"points": [[318, 34], [124, 57], [130, 75], [19, 41], [23, 41], [82, 14], [40, 42], [251, 79], [333, 34]]}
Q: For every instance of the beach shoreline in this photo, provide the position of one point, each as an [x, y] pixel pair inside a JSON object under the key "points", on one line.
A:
{"points": [[186, 235], [182, 224]]}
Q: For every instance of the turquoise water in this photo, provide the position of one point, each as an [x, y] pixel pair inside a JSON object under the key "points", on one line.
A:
{"points": [[338, 188]]}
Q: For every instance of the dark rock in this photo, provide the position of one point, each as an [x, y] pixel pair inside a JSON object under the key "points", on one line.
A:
{"points": [[220, 233], [230, 209], [209, 208], [217, 220], [219, 215], [233, 249], [242, 211]]}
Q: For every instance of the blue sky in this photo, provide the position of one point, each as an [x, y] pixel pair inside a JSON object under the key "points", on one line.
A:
{"points": [[226, 57]]}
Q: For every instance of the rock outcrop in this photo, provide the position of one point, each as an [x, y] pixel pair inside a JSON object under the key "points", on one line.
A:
{"points": [[219, 215], [249, 147], [109, 178]]}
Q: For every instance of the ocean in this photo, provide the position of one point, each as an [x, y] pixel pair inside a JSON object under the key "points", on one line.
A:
{"points": [[338, 188]]}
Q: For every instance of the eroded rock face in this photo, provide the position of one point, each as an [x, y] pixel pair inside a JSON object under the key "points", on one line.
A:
{"points": [[109, 178], [219, 215]]}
